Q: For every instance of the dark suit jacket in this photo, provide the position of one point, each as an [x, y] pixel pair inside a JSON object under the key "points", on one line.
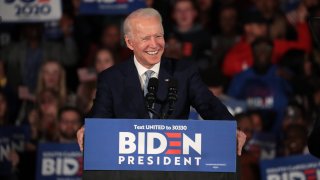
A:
{"points": [[313, 141], [119, 95]]}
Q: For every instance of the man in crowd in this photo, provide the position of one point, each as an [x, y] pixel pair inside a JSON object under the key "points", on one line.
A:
{"points": [[260, 86], [239, 58], [69, 122]]}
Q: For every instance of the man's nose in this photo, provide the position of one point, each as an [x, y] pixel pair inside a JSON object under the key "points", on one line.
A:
{"points": [[153, 42]]}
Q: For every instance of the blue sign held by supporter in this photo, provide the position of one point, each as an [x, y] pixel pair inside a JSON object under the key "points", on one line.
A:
{"points": [[113, 7], [5, 148], [300, 167], [11, 138], [160, 145], [59, 161], [266, 142]]}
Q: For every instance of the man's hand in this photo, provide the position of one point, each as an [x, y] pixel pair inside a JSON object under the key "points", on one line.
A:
{"points": [[241, 139], [80, 134]]}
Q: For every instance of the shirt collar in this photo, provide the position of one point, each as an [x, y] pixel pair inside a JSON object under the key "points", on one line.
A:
{"points": [[141, 69]]}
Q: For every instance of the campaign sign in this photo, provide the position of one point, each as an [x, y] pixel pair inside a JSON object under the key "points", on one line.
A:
{"points": [[11, 138], [5, 149], [112, 7], [302, 167], [266, 142], [59, 161], [29, 10], [160, 145]]}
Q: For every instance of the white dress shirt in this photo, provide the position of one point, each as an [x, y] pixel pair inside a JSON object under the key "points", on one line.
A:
{"points": [[141, 70]]}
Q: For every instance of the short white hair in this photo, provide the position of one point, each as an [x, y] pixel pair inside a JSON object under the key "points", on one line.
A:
{"points": [[142, 13]]}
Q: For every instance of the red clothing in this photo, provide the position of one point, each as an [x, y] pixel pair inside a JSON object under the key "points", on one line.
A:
{"points": [[240, 56]]}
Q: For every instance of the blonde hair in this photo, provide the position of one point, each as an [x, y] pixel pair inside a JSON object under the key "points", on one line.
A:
{"points": [[61, 89], [140, 13]]}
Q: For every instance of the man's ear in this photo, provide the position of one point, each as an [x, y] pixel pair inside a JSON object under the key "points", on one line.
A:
{"points": [[128, 42]]}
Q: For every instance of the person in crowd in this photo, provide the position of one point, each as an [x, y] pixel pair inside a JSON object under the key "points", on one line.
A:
{"points": [[240, 58], [295, 142], [53, 76], [13, 156], [295, 114], [193, 37], [48, 102], [260, 86], [269, 9], [110, 39], [104, 60], [279, 27], [86, 89], [173, 48], [257, 121], [249, 161], [23, 59], [208, 13], [304, 7], [216, 83], [69, 121], [302, 71], [227, 35]]}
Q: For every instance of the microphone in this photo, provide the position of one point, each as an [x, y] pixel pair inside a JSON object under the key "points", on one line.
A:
{"points": [[150, 97], [172, 97]]}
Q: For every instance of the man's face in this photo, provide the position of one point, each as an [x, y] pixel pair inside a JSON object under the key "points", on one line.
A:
{"points": [[69, 124], [184, 14], [146, 39], [228, 20], [111, 37], [262, 55]]}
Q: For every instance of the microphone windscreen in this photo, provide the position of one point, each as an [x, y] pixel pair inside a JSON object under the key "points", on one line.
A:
{"points": [[153, 84]]}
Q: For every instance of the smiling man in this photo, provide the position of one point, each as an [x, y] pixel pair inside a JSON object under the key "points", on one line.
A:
{"points": [[120, 90]]}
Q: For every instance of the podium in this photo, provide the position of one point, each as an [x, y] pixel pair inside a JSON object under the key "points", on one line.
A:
{"points": [[159, 149]]}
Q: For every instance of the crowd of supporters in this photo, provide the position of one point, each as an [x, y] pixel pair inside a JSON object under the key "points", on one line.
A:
{"points": [[257, 56]]}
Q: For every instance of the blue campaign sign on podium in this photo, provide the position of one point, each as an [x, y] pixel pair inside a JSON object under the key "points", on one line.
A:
{"points": [[160, 145]]}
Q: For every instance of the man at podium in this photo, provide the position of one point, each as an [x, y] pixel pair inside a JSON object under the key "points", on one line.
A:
{"points": [[124, 91]]}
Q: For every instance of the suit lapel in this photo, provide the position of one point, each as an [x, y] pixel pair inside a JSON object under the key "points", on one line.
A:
{"points": [[165, 74], [133, 86]]}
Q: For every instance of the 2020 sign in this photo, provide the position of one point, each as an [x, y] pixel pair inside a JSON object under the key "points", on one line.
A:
{"points": [[30, 10], [34, 9]]}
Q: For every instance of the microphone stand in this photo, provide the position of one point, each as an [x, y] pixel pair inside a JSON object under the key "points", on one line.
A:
{"points": [[171, 98]]}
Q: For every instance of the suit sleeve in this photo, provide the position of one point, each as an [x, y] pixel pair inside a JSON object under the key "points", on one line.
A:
{"points": [[206, 104], [313, 141], [103, 102]]}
